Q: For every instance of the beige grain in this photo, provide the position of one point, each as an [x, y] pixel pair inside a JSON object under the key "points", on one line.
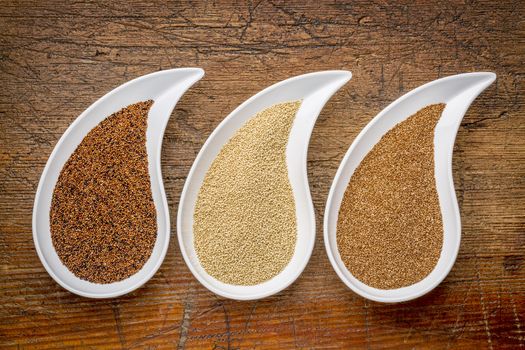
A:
{"points": [[244, 221]]}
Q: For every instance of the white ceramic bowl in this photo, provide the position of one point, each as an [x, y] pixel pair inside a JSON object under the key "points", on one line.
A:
{"points": [[457, 92], [314, 89], [165, 88]]}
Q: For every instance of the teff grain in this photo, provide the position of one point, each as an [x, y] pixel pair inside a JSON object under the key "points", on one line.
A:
{"points": [[390, 230], [103, 218], [244, 222]]}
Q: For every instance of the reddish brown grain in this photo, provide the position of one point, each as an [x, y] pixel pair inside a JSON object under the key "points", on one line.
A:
{"points": [[102, 217], [56, 58], [389, 228]]}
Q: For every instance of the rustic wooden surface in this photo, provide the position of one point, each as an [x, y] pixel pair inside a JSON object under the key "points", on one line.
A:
{"points": [[56, 58]]}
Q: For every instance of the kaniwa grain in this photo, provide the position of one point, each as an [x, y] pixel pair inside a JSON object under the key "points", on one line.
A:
{"points": [[103, 218], [244, 221], [389, 229]]}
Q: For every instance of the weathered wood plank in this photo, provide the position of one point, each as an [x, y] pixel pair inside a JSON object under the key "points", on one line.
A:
{"points": [[57, 57]]}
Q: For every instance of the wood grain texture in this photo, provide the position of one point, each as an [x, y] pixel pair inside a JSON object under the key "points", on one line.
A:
{"points": [[57, 57]]}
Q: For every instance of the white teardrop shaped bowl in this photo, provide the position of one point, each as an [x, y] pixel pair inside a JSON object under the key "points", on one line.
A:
{"points": [[165, 88], [314, 89], [457, 92]]}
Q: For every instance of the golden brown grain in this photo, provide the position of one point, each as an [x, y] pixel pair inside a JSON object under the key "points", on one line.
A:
{"points": [[103, 218], [244, 221], [389, 230]]}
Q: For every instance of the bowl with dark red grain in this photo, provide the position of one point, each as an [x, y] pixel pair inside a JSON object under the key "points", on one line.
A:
{"points": [[101, 223]]}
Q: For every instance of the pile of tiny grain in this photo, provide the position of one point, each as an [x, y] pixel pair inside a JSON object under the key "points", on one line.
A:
{"points": [[103, 218], [389, 230], [244, 221]]}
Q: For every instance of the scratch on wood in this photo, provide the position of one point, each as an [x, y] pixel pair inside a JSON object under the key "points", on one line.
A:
{"points": [[248, 320], [408, 334], [118, 326], [517, 319], [140, 342], [227, 323], [476, 123], [484, 311], [294, 333], [460, 314], [382, 81], [367, 325], [249, 20], [184, 325], [211, 309]]}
